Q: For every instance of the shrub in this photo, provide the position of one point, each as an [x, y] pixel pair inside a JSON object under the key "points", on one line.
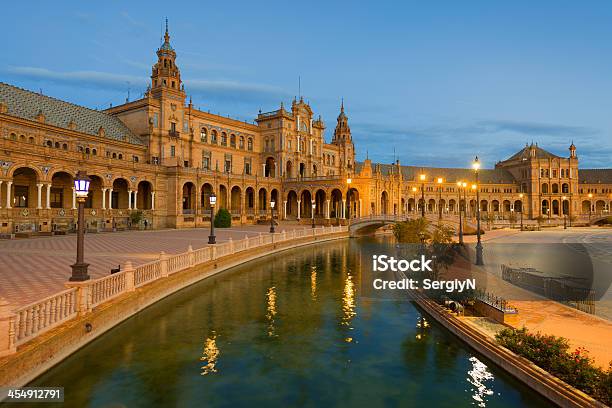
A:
{"points": [[223, 219], [552, 354], [136, 217]]}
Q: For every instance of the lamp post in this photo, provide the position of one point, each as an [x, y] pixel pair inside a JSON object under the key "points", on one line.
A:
{"points": [[422, 178], [590, 207], [440, 181], [212, 201], [564, 214], [459, 185], [314, 205], [414, 190], [479, 261], [521, 201], [272, 204], [81, 188]]}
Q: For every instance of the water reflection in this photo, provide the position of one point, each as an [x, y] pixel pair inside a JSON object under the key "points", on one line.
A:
{"points": [[313, 283], [348, 304], [271, 310], [422, 325], [210, 355], [478, 376]]}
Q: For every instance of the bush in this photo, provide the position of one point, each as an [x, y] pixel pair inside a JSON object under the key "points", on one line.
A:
{"points": [[223, 219], [467, 230], [552, 354], [136, 217]]}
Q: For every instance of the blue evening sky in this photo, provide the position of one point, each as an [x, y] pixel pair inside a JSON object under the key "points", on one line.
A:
{"points": [[439, 81]]}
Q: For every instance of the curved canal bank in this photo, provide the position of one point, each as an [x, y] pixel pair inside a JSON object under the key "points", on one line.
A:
{"points": [[290, 329]]}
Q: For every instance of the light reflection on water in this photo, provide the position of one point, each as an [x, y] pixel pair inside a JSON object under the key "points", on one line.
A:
{"points": [[479, 376], [210, 355], [290, 330]]}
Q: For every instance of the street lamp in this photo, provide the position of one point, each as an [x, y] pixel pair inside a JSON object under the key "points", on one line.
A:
{"points": [[521, 197], [81, 188], [272, 204], [422, 178], [564, 214], [440, 181], [212, 201], [314, 205], [459, 185], [479, 261], [590, 207]]}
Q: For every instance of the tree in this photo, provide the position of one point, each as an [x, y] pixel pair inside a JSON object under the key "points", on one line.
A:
{"points": [[223, 219], [540, 220], [489, 218]]}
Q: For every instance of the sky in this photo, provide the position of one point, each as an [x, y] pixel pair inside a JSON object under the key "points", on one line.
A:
{"points": [[429, 83]]}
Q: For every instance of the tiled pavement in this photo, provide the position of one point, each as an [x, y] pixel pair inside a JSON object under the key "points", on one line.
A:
{"points": [[31, 269]]}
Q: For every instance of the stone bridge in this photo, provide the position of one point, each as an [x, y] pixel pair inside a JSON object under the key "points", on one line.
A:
{"points": [[368, 224]]}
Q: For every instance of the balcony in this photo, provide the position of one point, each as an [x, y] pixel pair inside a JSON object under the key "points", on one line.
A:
{"points": [[174, 133]]}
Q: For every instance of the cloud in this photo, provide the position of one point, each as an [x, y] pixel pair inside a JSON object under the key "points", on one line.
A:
{"points": [[208, 89], [538, 129]]}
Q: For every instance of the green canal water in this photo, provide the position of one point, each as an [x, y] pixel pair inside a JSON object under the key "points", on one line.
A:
{"points": [[286, 330]]}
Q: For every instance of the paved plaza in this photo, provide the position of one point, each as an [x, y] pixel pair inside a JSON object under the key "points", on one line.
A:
{"points": [[31, 269]]}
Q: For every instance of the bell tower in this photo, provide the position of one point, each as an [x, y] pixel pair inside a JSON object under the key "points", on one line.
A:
{"points": [[165, 75], [342, 138]]}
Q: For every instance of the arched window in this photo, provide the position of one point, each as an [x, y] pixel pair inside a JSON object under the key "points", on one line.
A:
{"points": [[213, 137], [14, 136], [120, 156], [31, 139], [250, 144], [555, 188], [114, 155], [49, 143], [544, 188], [94, 152], [223, 139], [57, 145], [241, 143], [203, 135], [233, 140], [87, 151], [565, 188], [22, 138], [65, 146]]}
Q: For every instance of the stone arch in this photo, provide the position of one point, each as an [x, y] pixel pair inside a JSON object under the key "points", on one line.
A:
{"points": [[222, 197], [555, 207], [292, 204], [270, 167], [274, 196], [188, 202], [484, 205], [94, 198], [384, 202], [306, 203], [205, 192], [431, 205], [320, 198], [545, 207], [565, 188], [62, 183], [600, 206], [236, 201], [336, 203], [119, 196], [518, 206], [352, 203], [544, 188], [24, 189], [249, 200], [263, 200], [495, 206], [506, 206], [586, 206], [555, 188], [289, 169], [143, 197], [452, 205]]}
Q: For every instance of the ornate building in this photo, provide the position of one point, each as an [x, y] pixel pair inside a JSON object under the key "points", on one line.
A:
{"points": [[163, 158]]}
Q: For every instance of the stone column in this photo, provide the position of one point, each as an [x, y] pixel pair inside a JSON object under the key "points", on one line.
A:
{"points": [[152, 200], [1, 193], [110, 198], [129, 199], [284, 209], [48, 196], [135, 199], [104, 198], [9, 184], [359, 208], [299, 208], [73, 199], [39, 196], [343, 209], [327, 210]]}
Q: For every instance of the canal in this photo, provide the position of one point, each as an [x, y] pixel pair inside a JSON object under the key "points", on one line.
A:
{"points": [[286, 330]]}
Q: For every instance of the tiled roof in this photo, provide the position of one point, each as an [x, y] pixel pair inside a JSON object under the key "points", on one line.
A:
{"points": [[595, 176], [488, 176], [524, 153], [27, 105]]}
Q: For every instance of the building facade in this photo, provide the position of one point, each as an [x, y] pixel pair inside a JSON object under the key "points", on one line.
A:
{"points": [[161, 158]]}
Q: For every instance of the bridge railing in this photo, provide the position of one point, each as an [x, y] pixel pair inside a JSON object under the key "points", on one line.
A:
{"points": [[27, 322]]}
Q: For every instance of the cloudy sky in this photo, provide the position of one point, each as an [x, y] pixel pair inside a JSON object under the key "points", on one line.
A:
{"points": [[437, 81]]}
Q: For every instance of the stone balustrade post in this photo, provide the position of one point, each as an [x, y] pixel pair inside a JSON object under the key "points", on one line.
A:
{"points": [[83, 296], [191, 256], [129, 276], [231, 245], [163, 264], [213, 252], [284, 235], [260, 239], [246, 241], [7, 328]]}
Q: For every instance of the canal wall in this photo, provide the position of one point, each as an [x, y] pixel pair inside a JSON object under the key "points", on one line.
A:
{"points": [[91, 308], [546, 384]]}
